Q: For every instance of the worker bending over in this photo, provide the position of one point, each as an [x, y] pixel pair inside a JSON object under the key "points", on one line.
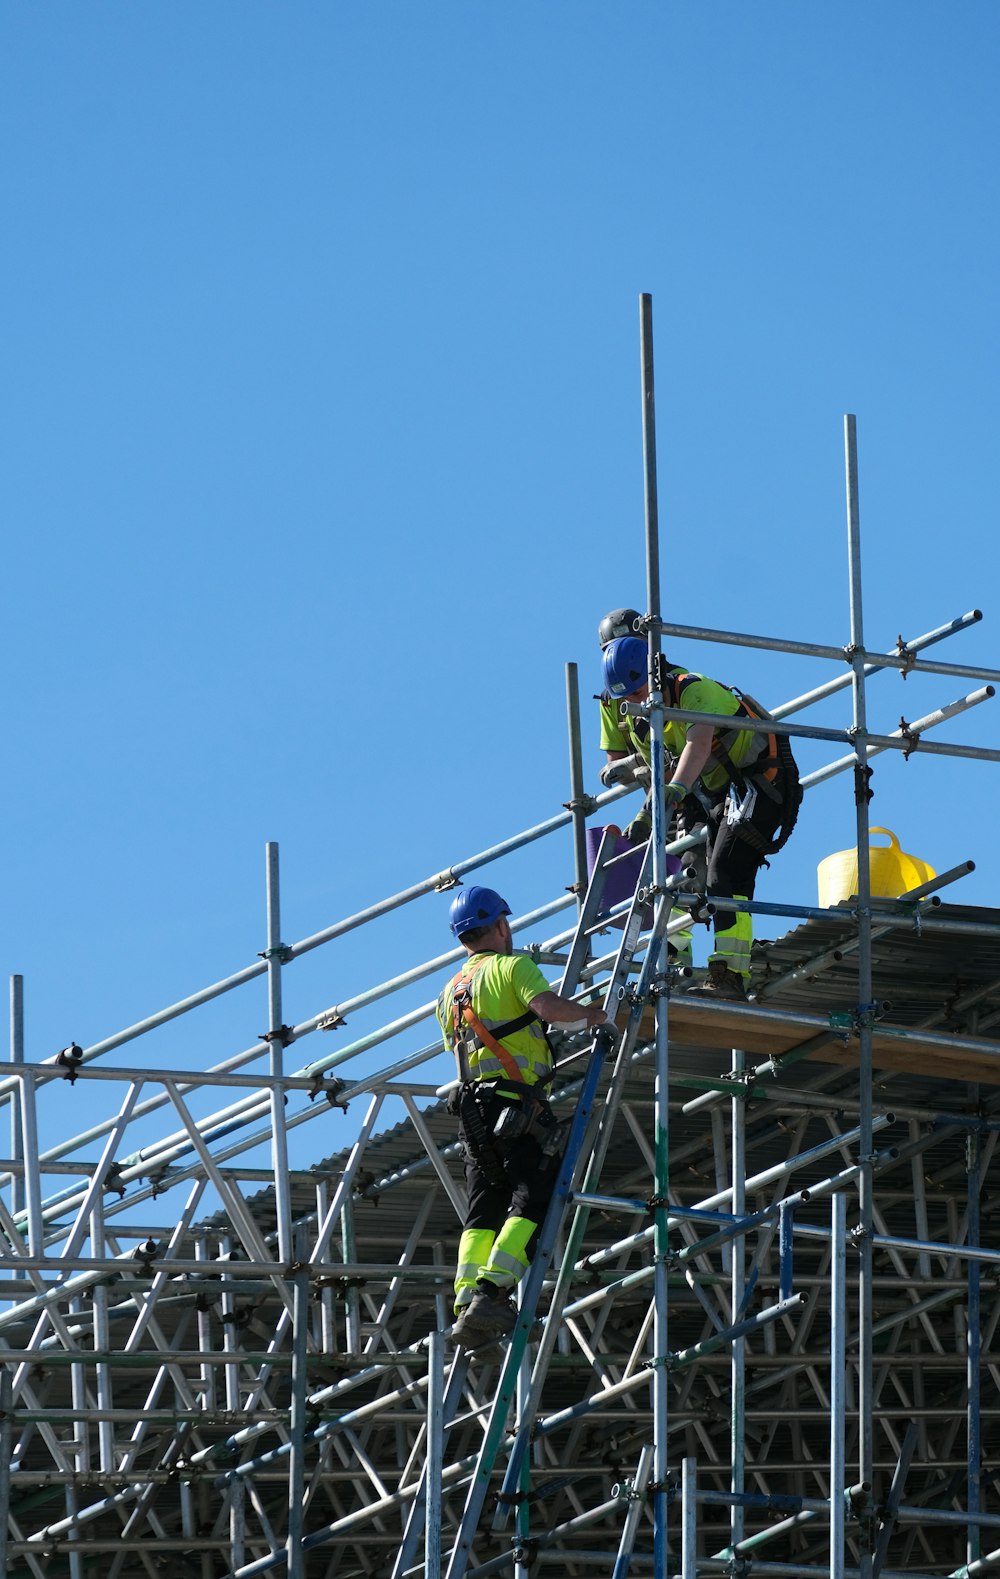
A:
{"points": [[746, 782], [622, 767], [492, 1015]]}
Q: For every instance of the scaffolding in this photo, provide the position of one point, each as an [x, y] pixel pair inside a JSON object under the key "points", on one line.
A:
{"points": [[759, 1332]]}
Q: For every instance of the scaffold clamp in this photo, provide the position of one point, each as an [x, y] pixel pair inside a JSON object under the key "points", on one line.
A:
{"points": [[332, 1020], [159, 1180], [910, 736], [143, 1255], [331, 1089], [841, 1022], [585, 803], [281, 952], [445, 880], [284, 1034], [908, 656], [863, 791], [70, 1059]]}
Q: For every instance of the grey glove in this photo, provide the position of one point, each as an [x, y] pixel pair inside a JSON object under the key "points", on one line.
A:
{"points": [[642, 775], [618, 772]]}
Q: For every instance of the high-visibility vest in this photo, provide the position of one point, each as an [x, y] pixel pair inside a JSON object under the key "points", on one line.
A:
{"points": [[479, 1049]]}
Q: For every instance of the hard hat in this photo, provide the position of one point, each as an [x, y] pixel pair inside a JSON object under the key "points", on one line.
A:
{"points": [[626, 666], [476, 907], [620, 622]]}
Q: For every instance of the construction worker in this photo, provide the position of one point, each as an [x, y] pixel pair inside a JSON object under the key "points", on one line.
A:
{"points": [[747, 781], [492, 1015], [623, 767]]}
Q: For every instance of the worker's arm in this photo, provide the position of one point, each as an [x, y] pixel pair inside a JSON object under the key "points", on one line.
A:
{"points": [[556, 1010], [697, 750]]}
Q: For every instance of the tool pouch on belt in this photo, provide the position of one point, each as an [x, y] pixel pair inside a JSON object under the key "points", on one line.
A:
{"points": [[532, 1116], [480, 1143]]}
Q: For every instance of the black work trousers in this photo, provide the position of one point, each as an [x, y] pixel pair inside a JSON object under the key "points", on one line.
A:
{"points": [[528, 1176]]}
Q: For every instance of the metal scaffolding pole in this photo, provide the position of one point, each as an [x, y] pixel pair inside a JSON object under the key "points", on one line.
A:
{"points": [[838, 1380], [660, 834], [974, 1344], [739, 1295], [579, 803], [866, 1007], [274, 956], [16, 1058]]}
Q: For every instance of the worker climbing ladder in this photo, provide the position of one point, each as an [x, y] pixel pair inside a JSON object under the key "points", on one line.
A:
{"points": [[615, 994]]}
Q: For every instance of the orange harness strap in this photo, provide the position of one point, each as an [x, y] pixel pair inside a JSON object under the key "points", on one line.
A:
{"points": [[461, 1007]]}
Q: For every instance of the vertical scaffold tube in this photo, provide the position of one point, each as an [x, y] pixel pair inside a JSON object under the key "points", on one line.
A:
{"points": [[974, 1339], [275, 1030], [6, 1440], [838, 1380], [576, 792], [865, 1012], [689, 1519], [296, 1562], [435, 1452], [659, 836], [737, 1356], [29, 1149], [16, 1057]]}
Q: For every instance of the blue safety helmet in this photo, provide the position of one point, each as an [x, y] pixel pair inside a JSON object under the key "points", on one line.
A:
{"points": [[476, 907], [626, 666]]}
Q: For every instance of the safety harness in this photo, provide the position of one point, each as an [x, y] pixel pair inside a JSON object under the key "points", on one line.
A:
{"points": [[763, 772], [462, 1011]]}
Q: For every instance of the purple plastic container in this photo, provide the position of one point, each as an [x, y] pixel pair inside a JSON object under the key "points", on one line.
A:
{"points": [[624, 874]]}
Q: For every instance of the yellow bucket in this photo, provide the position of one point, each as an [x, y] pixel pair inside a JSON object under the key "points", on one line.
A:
{"points": [[893, 872]]}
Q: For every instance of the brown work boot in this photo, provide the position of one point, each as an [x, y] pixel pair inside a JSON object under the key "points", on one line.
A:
{"points": [[490, 1314], [721, 982]]}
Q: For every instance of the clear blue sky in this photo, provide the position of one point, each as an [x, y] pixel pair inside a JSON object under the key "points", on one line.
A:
{"points": [[322, 443]]}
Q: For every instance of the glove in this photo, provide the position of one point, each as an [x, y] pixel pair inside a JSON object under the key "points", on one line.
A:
{"points": [[643, 776], [638, 831], [674, 793], [620, 771]]}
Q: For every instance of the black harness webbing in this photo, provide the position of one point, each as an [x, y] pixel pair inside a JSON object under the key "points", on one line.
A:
{"points": [[782, 787]]}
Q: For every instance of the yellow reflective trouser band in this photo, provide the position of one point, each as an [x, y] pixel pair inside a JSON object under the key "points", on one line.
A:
{"points": [[681, 940], [733, 943], [508, 1259], [473, 1253]]}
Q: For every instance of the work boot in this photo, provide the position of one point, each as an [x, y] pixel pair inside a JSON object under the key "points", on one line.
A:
{"points": [[721, 982], [489, 1314]]}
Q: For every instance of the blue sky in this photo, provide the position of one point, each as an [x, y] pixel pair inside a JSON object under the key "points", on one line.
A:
{"points": [[323, 448]]}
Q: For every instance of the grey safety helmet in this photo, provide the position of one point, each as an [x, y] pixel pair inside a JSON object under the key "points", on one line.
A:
{"points": [[620, 622]]}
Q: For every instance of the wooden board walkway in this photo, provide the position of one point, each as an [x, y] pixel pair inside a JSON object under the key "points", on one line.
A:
{"points": [[766, 1032]]}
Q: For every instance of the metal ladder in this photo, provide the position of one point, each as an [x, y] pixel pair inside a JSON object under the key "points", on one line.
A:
{"points": [[604, 1042]]}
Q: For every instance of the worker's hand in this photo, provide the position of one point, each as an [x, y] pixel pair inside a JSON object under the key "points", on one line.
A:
{"points": [[642, 775], [638, 831], [620, 771], [674, 793]]}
